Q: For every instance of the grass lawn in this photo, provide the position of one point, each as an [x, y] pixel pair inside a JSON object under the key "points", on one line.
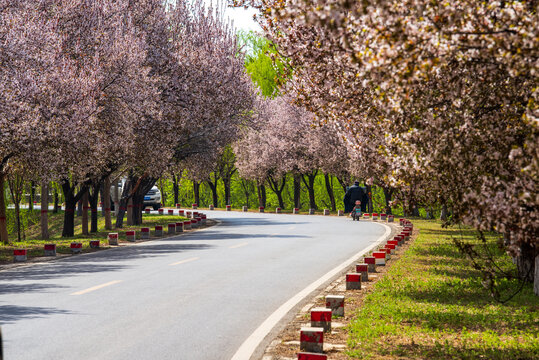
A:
{"points": [[35, 245], [432, 305]]}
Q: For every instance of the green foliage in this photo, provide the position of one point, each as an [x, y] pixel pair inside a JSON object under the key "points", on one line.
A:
{"points": [[263, 63], [432, 304]]}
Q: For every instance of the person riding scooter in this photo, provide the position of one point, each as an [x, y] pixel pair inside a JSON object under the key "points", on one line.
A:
{"points": [[356, 211]]}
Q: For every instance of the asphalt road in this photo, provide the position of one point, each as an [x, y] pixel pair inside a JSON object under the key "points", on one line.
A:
{"points": [[194, 296]]}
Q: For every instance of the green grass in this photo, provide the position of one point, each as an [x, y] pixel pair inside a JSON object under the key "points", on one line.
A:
{"points": [[34, 243], [432, 304]]}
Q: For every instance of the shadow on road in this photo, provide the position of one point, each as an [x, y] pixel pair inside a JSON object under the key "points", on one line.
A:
{"points": [[13, 313]]}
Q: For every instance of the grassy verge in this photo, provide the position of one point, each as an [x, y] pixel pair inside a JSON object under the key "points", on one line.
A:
{"points": [[34, 243], [431, 304]]}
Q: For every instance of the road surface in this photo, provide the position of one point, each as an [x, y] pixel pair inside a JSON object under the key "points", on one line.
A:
{"points": [[193, 296]]}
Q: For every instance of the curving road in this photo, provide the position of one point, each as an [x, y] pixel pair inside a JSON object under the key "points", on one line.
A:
{"points": [[194, 296]]}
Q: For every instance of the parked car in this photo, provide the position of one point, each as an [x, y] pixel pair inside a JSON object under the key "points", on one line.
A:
{"points": [[152, 197]]}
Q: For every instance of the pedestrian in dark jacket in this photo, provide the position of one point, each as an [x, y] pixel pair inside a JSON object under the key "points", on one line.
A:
{"points": [[354, 193]]}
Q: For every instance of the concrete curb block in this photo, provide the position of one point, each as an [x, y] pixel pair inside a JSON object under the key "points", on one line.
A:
{"points": [[113, 239], [49, 249], [321, 317], [76, 247], [131, 235], [353, 281], [336, 304], [95, 244], [311, 339], [20, 255], [145, 233], [158, 230]]}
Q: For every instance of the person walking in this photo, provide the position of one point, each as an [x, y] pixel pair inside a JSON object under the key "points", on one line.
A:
{"points": [[354, 193]]}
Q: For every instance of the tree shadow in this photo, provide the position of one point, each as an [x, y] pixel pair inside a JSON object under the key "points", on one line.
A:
{"points": [[7, 288], [91, 263], [13, 313]]}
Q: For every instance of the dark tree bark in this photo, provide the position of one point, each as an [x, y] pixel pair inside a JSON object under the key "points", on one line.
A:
{"points": [[297, 190], [308, 180], [329, 188], [85, 208], [388, 194], [32, 195], [79, 208], [370, 207], [176, 189], [3, 215], [93, 199], [277, 186], [343, 183], [56, 201], [196, 192], [227, 185], [526, 262], [44, 210], [106, 203], [261, 190], [71, 200], [134, 189], [212, 183]]}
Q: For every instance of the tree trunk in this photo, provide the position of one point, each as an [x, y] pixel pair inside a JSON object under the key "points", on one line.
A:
{"points": [[261, 191], [526, 260], [536, 277], [297, 191], [329, 189], [443, 213], [3, 213], [226, 183], [277, 186], [85, 208], [213, 187], [343, 183], [32, 195], [176, 189], [18, 219], [93, 197], [388, 194], [56, 201], [370, 207], [106, 203], [196, 192], [79, 208], [44, 210], [71, 200], [308, 180]]}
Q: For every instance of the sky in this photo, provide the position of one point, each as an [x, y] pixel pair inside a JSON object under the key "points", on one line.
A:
{"points": [[243, 18]]}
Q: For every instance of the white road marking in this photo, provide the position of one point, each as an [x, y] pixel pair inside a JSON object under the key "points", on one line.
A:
{"points": [[96, 287], [291, 228], [184, 261], [238, 245], [249, 346]]}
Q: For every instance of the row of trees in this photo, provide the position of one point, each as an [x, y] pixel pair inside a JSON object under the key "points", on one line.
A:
{"points": [[439, 98], [91, 89]]}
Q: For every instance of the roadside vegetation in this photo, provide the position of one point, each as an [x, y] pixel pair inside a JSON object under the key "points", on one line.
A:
{"points": [[433, 304], [32, 233]]}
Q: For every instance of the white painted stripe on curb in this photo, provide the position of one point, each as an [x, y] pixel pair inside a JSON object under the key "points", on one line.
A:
{"points": [[249, 346], [238, 245], [96, 287], [184, 261]]}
